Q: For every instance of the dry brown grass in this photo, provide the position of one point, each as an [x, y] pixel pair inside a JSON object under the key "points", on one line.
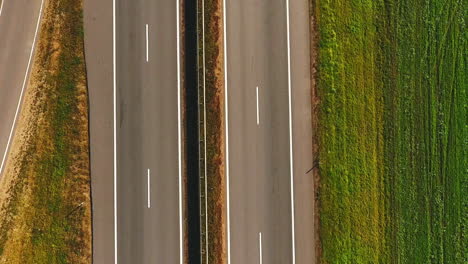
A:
{"points": [[215, 131], [47, 173]]}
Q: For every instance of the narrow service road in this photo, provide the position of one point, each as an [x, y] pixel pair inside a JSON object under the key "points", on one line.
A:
{"points": [[19, 23]]}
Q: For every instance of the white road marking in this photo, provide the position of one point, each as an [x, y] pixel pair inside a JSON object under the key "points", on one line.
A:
{"points": [[258, 111], [149, 188], [226, 114], [1, 6], [291, 159], [204, 133], [260, 247], [114, 59], [18, 107], [181, 241], [147, 44]]}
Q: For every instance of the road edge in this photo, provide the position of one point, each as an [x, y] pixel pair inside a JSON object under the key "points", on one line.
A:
{"points": [[97, 18]]}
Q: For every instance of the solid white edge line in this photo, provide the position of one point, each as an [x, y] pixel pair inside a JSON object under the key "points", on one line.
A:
{"points": [[204, 133], [18, 107], [260, 247], [290, 138], [258, 111], [114, 59], [181, 249], [149, 189], [226, 109], [1, 7], [147, 44]]}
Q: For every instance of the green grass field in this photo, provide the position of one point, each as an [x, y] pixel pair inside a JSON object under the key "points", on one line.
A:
{"points": [[393, 131]]}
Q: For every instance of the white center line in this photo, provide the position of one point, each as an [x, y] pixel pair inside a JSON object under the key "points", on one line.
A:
{"points": [[226, 120], [258, 111], [291, 159], [149, 188], [147, 44], [18, 107], [260, 247]]}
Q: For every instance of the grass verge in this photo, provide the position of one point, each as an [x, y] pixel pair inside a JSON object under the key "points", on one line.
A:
{"points": [[352, 214], [46, 212]]}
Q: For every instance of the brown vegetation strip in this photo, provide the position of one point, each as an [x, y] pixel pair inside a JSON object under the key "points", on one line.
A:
{"points": [[45, 214], [215, 131]]}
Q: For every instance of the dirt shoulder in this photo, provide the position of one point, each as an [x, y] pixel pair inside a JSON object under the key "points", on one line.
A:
{"points": [[314, 40], [45, 214]]}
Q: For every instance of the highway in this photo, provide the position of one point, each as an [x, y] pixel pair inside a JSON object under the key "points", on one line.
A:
{"points": [[19, 21], [270, 204], [268, 132], [134, 81], [268, 151]]}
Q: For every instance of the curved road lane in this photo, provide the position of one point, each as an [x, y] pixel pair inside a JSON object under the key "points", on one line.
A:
{"points": [[19, 21]]}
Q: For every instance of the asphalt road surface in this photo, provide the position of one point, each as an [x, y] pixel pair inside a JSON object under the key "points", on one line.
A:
{"points": [[98, 23], [18, 23], [147, 200], [147, 132], [262, 129], [259, 154]]}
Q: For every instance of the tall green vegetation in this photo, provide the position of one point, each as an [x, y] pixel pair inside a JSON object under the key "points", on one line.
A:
{"points": [[393, 131], [427, 133]]}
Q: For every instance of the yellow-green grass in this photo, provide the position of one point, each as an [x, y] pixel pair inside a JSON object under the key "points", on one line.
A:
{"points": [[49, 200], [352, 225], [392, 131]]}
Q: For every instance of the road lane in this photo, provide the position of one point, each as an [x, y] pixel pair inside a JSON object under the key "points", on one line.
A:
{"points": [[147, 132], [19, 20], [269, 132], [259, 154], [146, 112]]}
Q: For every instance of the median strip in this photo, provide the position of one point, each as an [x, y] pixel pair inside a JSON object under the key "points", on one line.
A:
{"points": [[211, 45]]}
